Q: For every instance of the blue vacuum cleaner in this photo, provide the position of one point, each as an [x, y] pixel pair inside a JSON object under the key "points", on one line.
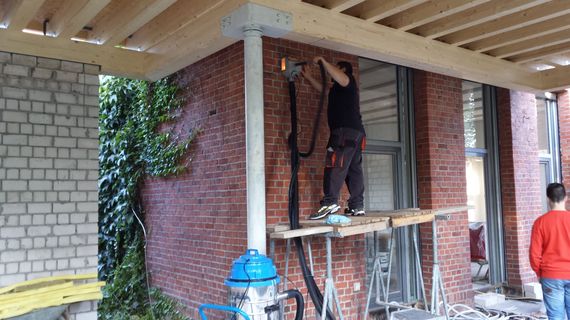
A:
{"points": [[253, 290]]}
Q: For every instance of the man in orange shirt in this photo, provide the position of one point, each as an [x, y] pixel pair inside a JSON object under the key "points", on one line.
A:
{"points": [[550, 253]]}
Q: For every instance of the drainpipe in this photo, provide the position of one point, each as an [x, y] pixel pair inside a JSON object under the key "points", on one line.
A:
{"points": [[249, 22]]}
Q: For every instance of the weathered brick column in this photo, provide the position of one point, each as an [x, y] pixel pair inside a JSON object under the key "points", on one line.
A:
{"points": [[440, 151], [520, 179], [564, 126], [48, 170]]}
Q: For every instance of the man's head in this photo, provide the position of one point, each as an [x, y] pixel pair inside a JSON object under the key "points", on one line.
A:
{"points": [[345, 66], [556, 193]]}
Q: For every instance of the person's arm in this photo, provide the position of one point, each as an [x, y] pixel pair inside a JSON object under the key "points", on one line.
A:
{"points": [[338, 75], [535, 251], [316, 84]]}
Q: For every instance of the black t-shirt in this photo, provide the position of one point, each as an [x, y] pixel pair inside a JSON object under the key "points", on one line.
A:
{"points": [[344, 106]]}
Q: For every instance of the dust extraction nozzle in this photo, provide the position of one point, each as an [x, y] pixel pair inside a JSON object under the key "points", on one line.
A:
{"points": [[291, 68]]}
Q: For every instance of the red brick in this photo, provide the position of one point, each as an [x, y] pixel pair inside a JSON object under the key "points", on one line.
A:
{"points": [[520, 179], [441, 166]]}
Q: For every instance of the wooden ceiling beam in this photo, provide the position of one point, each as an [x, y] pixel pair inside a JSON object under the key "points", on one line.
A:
{"points": [[74, 15], [196, 40], [174, 18], [535, 30], [113, 61], [474, 16], [555, 79], [550, 10], [20, 13], [428, 12], [532, 44], [145, 15], [117, 25], [541, 53], [341, 5], [315, 25], [374, 10]]}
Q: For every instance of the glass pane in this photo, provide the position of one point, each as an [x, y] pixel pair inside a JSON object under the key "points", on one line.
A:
{"points": [[542, 126], [477, 216], [543, 182], [473, 115], [379, 173], [379, 100]]}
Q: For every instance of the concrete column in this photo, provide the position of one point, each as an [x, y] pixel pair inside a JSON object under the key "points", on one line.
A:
{"points": [[254, 137], [249, 22]]}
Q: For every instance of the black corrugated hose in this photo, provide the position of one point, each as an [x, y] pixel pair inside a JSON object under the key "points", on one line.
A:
{"points": [[314, 292]]}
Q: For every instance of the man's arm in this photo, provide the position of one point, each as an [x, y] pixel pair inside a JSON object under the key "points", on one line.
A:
{"points": [[316, 84], [535, 251], [338, 75]]}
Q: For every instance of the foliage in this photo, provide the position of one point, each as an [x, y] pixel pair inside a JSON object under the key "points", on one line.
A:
{"points": [[126, 298], [130, 147]]}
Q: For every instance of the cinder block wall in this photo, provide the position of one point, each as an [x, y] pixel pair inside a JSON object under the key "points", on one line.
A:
{"points": [[520, 179], [48, 170], [564, 125]]}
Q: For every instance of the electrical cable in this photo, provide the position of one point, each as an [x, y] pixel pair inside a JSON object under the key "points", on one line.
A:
{"points": [[145, 264], [240, 304], [464, 312], [313, 289]]}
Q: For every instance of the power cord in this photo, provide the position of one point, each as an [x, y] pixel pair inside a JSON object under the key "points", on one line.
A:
{"points": [[145, 264], [240, 304]]}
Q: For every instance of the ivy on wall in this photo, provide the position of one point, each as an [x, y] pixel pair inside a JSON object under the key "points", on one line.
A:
{"points": [[130, 147]]}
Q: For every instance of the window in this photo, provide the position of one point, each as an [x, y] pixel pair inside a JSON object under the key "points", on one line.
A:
{"points": [[483, 195], [548, 143], [385, 109]]}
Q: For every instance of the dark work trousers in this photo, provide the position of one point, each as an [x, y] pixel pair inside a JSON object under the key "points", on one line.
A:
{"points": [[344, 164]]}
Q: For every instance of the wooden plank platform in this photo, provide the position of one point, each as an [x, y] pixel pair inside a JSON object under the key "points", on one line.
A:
{"points": [[289, 234], [373, 221], [405, 217]]}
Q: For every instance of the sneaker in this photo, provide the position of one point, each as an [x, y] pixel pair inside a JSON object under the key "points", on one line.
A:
{"points": [[324, 211], [354, 212]]}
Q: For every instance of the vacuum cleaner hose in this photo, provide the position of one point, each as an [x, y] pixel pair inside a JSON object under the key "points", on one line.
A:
{"points": [[314, 292], [298, 300]]}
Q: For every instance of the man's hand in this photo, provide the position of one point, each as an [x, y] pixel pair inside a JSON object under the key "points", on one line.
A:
{"points": [[307, 74], [319, 58]]}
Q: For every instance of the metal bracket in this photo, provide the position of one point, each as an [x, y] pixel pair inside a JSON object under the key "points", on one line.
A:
{"points": [[273, 23]]}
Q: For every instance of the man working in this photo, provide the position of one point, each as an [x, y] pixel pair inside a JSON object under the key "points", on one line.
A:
{"points": [[550, 253], [346, 141]]}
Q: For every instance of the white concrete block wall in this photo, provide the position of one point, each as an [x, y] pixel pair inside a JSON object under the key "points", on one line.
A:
{"points": [[48, 170]]}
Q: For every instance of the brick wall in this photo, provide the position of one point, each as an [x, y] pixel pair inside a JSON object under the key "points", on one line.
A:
{"points": [[520, 179], [197, 221], [441, 178], [348, 253], [48, 170], [564, 126]]}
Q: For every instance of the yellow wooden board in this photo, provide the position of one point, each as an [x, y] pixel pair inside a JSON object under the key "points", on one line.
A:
{"points": [[27, 296]]}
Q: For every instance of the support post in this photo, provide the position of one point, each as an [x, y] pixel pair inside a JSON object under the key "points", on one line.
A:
{"points": [[249, 22], [254, 140]]}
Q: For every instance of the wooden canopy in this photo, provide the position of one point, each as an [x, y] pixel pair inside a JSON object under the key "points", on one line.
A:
{"points": [[519, 44]]}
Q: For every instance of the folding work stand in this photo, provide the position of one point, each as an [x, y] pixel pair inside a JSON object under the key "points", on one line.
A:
{"points": [[365, 224], [331, 293], [329, 232], [437, 281]]}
